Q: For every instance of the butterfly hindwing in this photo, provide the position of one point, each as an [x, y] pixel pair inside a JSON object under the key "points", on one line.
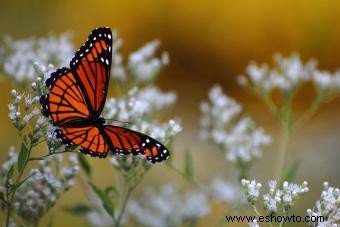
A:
{"points": [[127, 141], [92, 64], [90, 139]]}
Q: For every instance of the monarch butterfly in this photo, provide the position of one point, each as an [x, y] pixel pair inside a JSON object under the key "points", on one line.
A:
{"points": [[76, 100]]}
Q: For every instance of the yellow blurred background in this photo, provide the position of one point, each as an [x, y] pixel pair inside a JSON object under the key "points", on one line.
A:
{"points": [[209, 42]]}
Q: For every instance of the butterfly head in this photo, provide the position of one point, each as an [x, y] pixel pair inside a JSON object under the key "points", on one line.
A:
{"points": [[99, 121]]}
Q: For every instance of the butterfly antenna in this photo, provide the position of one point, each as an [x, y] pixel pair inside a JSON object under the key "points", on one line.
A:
{"points": [[124, 122]]}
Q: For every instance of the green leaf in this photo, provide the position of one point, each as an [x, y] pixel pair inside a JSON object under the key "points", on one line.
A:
{"points": [[292, 171], [78, 209], [188, 166], [2, 196], [23, 156], [111, 189], [106, 201], [10, 173], [85, 165]]}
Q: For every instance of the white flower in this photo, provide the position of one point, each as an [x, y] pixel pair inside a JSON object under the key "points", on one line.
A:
{"points": [[328, 206], [288, 73], [195, 205], [277, 197], [139, 107], [18, 62], [225, 191], [174, 127], [139, 103], [254, 224], [257, 73], [272, 186], [323, 79], [143, 65], [270, 203], [168, 207], [251, 190], [244, 140], [41, 190], [285, 75], [11, 160], [117, 69], [237, 136]]}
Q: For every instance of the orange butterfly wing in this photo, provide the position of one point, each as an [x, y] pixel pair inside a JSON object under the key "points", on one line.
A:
{"points": [[92, 64], [65, 102], [126, 141], [91, 140]]}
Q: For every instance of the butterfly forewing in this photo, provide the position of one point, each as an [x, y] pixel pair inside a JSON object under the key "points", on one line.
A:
{"points": [[91, 64], [65, 103]]}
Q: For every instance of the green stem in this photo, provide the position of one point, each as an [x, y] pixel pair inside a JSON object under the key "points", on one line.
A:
{"points": [[284, 140], [173, 168], [44, 156], [307, 115], [126, 198], [281, 223], [256, 210], [12, 194]]}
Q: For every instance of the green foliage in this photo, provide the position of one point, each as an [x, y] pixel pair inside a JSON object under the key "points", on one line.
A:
{"points": [[85, 165], [23, 157], [292, 171], [78, 209], [105, 199]]}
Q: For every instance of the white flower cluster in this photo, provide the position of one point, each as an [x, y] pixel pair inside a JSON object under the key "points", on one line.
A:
{"points": [[287, 74], [20, 120], [128, 163], [143, 65], [5, 167], [328, 207], [284, 197], [20, 55], [251, 190], [140, 102], [169, 207], [162, 132], [225, 192], [41, 191], [238, 136], [139, 107]]}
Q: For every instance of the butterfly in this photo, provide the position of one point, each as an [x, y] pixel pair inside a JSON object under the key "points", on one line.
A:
{"points": [[76, 100]]}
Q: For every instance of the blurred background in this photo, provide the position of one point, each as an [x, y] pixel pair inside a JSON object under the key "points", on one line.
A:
{"points": [[209, 42]]}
